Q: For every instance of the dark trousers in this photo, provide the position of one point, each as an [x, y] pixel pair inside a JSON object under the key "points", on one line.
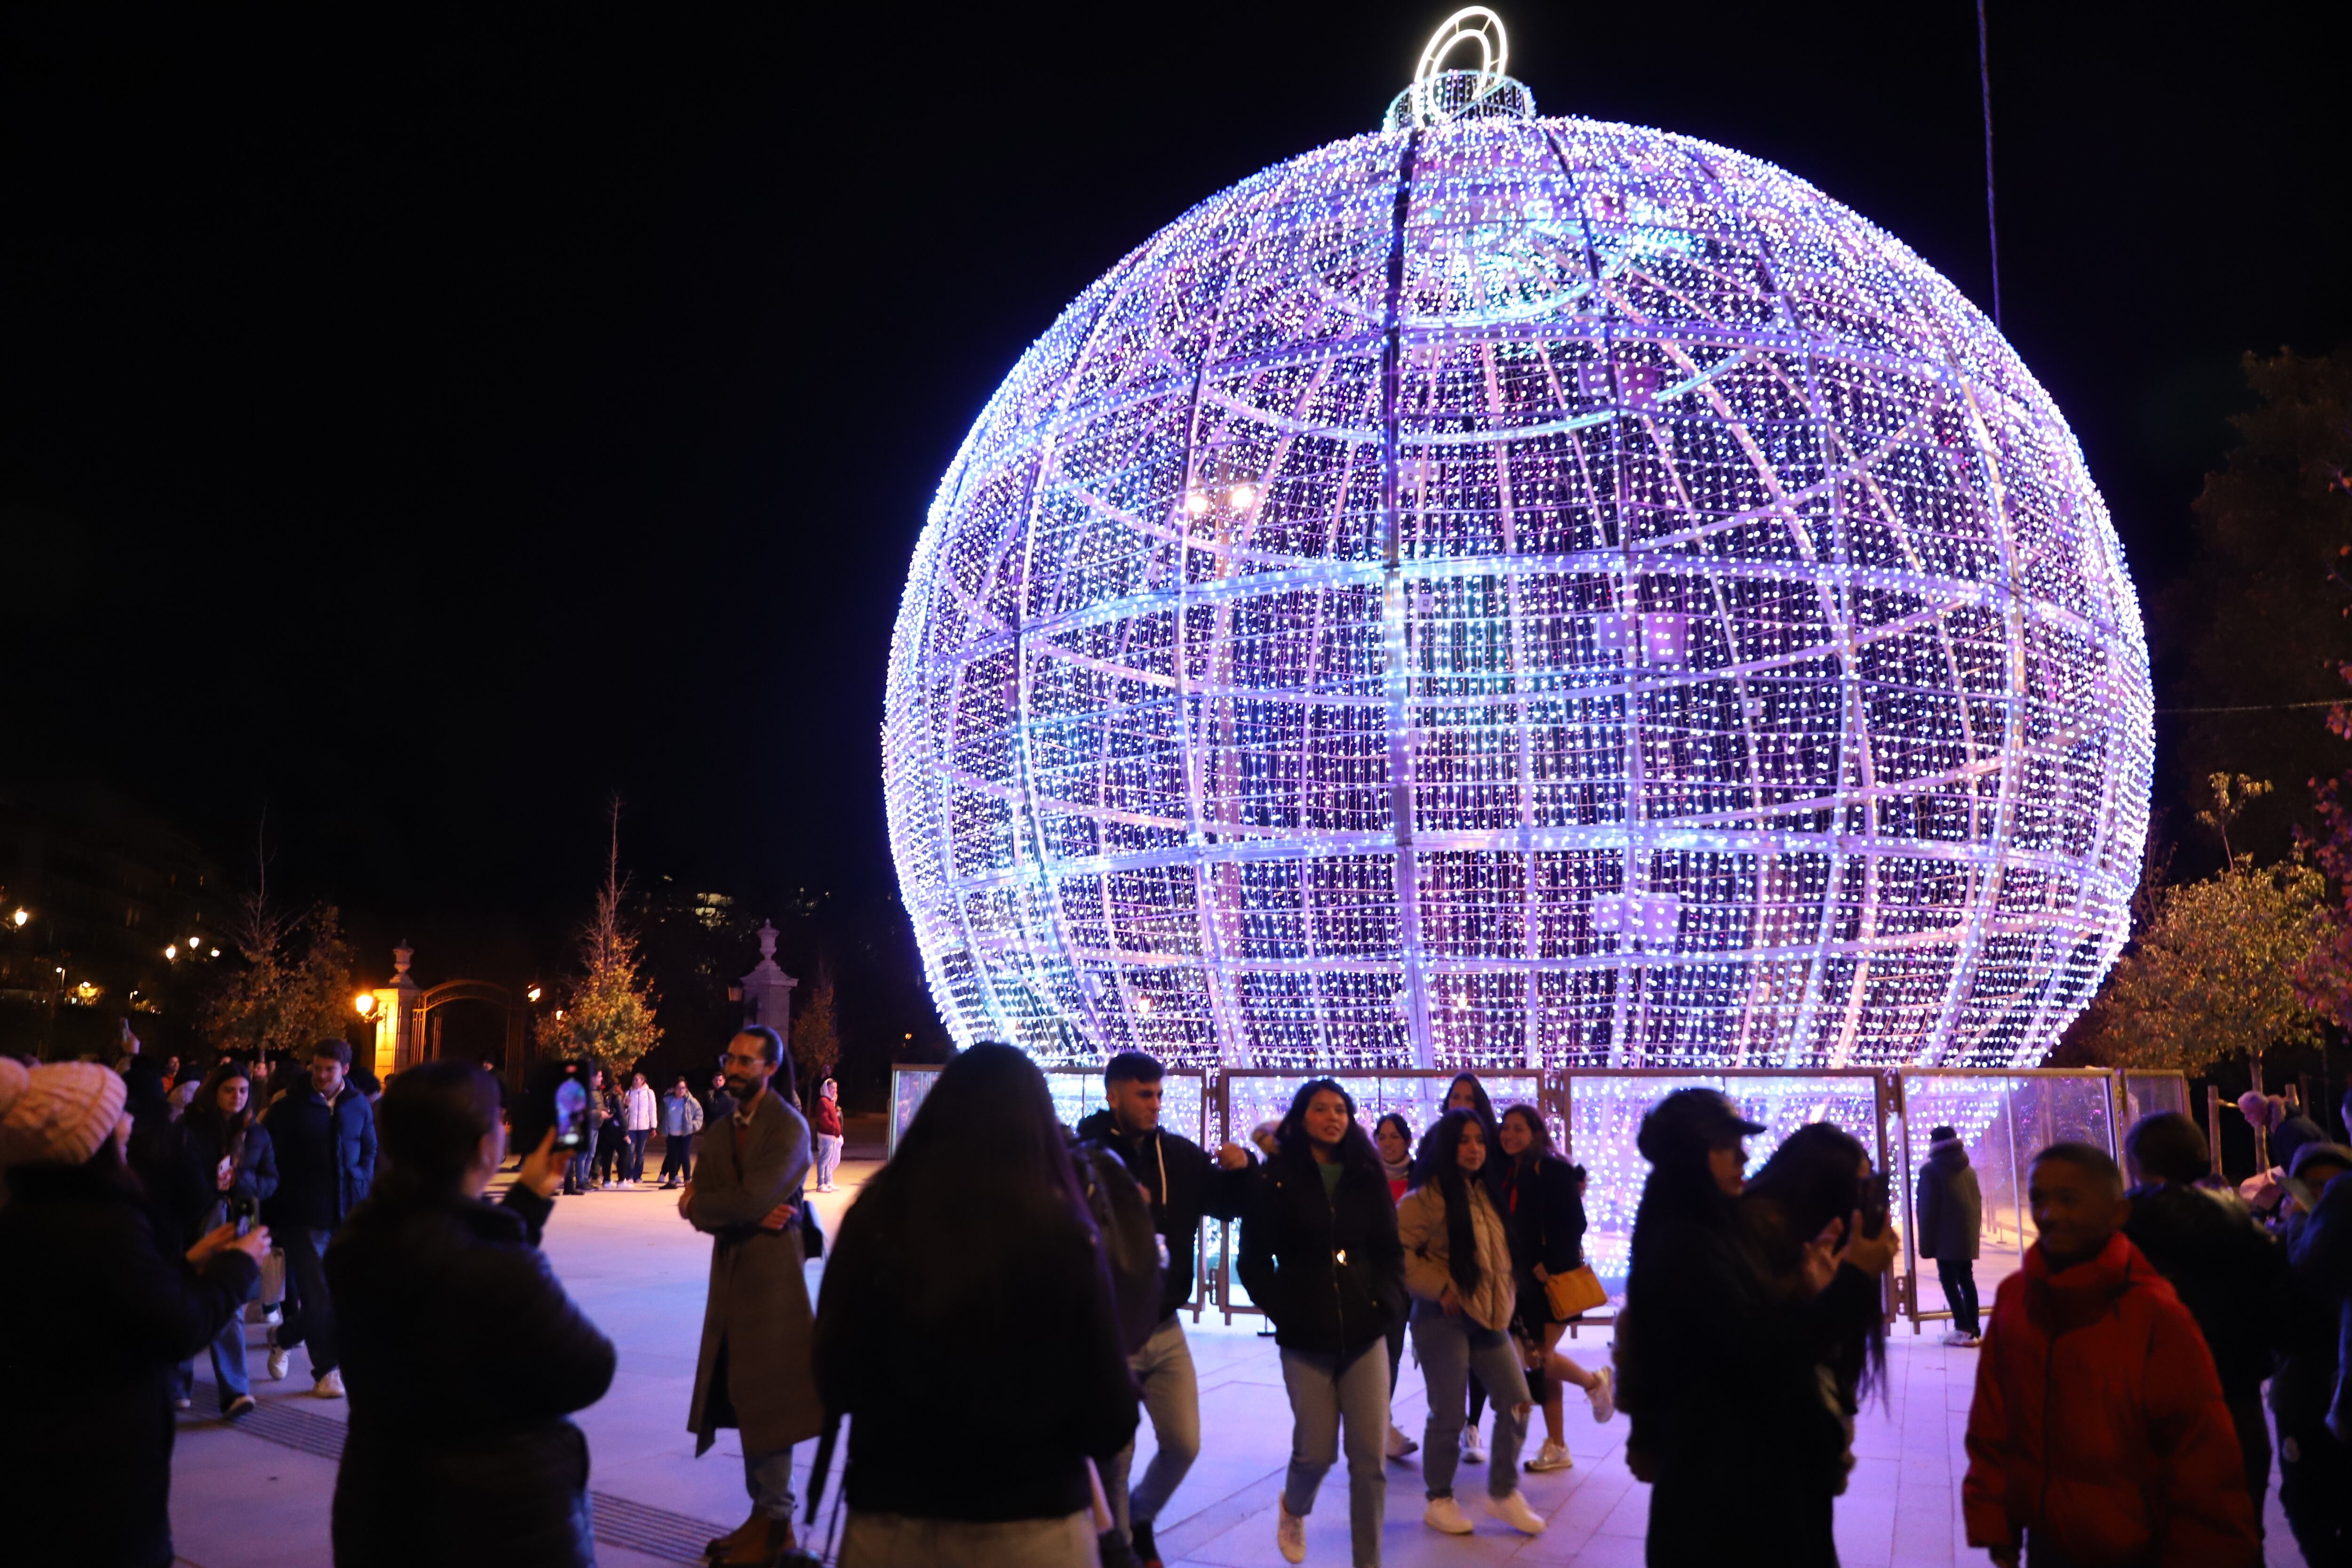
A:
{"points": [[2255, 1444], [637, 1154], [609, 1144], [1959, 1279], [678, 1156], [2315, 1491], [575, 1171], [309, 1311]]}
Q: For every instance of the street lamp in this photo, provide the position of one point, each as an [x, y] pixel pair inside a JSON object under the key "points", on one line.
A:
{"points": [[19, 918], [532, 994], [364, 1003]]}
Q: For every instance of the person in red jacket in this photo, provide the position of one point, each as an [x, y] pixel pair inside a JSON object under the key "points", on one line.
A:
{"points": [[2098, 1436]]}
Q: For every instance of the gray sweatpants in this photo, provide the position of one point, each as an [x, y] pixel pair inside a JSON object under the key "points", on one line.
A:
{"points": [[1449, 1347], [1325, 1394], [1171, 1398]]}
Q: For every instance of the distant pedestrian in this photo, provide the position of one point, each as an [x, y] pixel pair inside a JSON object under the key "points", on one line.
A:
{"points": [[681, 1119], [2315, 1457], [1457, 1263], [97, 1317], [641, 1114], [755, 1371], [1319, 1254], [224, 1160], [579, 1165], [828, 1134], [2229, 1271], [324, 1137], [974, 1235], [1950, 1213], [1184, 1185], [1542, 1199], [465, 1354], [609, 1116], [2098, 1433], [719, 1105], [1393, 1140]]}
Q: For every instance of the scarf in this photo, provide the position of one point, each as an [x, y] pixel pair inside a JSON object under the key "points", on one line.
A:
{"points": [[1399, 1172]]}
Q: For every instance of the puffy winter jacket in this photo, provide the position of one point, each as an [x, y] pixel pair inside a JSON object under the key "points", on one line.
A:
{"points": [[2099, 1422], [1328, 1271], [1184, 1185], [681, 1115], [326, 1157], [2226, 1270], [1951, 1211]]}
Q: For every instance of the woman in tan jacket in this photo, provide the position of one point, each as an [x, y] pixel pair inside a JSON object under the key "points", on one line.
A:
{"points": [[1457, 1263]]}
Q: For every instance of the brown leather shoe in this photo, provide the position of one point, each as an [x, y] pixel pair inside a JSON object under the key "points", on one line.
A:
{"points": [[751, 1530], [768, 1539]]}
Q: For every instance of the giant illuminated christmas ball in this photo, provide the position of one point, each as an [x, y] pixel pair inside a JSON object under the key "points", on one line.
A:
{"points": [[1519, 591]]}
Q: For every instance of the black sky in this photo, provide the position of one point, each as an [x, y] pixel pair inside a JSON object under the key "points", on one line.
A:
{"points": [[426, 423]]}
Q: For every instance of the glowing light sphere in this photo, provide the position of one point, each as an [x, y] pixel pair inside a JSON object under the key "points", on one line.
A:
{"points": [[1519, 591]]}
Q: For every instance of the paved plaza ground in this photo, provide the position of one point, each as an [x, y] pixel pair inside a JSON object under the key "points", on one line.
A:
{"points": [[257, 1496]]}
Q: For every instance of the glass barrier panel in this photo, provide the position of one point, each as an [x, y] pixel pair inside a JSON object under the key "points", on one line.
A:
{"points": [[2146, 1093], [907, 1087]]}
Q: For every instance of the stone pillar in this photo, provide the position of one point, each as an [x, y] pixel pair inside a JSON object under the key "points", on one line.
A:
{"points": [[399, 1017], [768, 990]]}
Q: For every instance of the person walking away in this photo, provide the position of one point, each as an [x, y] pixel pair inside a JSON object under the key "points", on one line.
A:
{"points": [[2098, 1433], [755, 1372], [1457, 1264], [1717, 1366], [1951, 1211], [324, 1136], [976, 1234], [641, 1111], [463, 1354], [223, 1159], [681, 1119], [828, 1134], [1393, 1140], [2314, 1463], [1319, 1254], [98, 1317], [1542, 1200], [1466, 1093], [2227, 1271], [1184, 1185]]}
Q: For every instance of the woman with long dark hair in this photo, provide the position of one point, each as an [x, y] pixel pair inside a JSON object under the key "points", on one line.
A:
{"points": [[1542, 1196], [1466, 1093], [222, 1161], [1716, 1360], [1319, 1253], [1458, 1263], [463, 1356], [1392, 1137], [975, 1243]]}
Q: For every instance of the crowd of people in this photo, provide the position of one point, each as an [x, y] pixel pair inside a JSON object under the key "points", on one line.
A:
{"points": [[2117, 1416]]}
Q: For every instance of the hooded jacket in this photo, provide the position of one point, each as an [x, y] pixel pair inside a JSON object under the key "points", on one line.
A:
{"points": [[2099, 1422], [1182, 1185], [1950, 1210], [2226, 1270]]}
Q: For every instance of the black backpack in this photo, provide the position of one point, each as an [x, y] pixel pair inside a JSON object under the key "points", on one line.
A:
{"points": [[1130, 1244]]}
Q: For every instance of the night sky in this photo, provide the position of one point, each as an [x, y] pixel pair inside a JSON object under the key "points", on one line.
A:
{"points": [[425, 424]]}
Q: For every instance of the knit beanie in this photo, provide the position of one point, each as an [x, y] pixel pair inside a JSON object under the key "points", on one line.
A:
{"points": [[60, 1116]]}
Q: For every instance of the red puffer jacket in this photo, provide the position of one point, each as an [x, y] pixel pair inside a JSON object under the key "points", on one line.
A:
{"points": [[2099, 1422]]}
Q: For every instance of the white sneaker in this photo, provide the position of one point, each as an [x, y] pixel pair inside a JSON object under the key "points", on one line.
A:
{"points": [[1289, 1533], [329, 1384], [1514, 1512], [1401, 1445], [273, 1316], [1954, 1337], [1474, 1447], [183, 1404], [1603, 1393], [1444, 1513], [277, 1363], [1553, 1457]]}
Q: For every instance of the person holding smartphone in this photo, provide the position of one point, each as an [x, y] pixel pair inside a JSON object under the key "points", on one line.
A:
{"points": [[225, 1169]]}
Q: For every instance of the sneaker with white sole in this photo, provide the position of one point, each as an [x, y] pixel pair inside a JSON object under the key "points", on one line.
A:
{"points": [[1444, 1513], [277, 1363], [1603, 1394], [1289, 1533], [1552, 1456], [329, 1384], [1401, 1445], [1474, 1447], [1514, 1512]]}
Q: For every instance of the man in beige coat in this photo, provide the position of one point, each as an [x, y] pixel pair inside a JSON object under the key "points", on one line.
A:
{"points": [[756, 1371]]}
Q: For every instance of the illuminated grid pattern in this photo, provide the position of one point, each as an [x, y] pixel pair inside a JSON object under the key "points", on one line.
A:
{"points": [[1518, 593]]}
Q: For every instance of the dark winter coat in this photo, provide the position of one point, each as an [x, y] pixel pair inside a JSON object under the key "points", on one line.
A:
{"points": [[326, 1157], [98, 1319], [1039, 1384], [2226, 1269], [2310, 1331], [198, 1149], [1951, 1211], [1539, 1199], [2099, 1424], [463, 1357], [1184, 1185], [1329, 1271], [2321, 1255]]}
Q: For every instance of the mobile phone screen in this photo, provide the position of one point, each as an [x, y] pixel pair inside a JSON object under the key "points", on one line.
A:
{"points": [[570, 1112]]}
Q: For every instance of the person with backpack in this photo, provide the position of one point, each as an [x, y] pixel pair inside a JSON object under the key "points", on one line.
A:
{"points": [[974, 1243], [1319, 1254], [1184, 1185]]}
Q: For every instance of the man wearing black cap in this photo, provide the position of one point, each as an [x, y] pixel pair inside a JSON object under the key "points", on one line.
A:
{"points": [[1951, 1219]]}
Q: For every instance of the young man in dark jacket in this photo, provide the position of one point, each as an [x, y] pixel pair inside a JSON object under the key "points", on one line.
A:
{"points": [[1182, 1185], [2224, 1267], [2315, 1464], [1951, 1221], [324, 1136]]}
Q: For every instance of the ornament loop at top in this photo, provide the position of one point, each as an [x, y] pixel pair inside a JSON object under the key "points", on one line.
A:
{"points": [[1471, 25]]}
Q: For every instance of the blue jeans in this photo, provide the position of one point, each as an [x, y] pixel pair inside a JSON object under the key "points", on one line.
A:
{"points": [[228, 1363], [768, 1479], [1325, 1392], [1449, 1347], [636, 1160]]}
